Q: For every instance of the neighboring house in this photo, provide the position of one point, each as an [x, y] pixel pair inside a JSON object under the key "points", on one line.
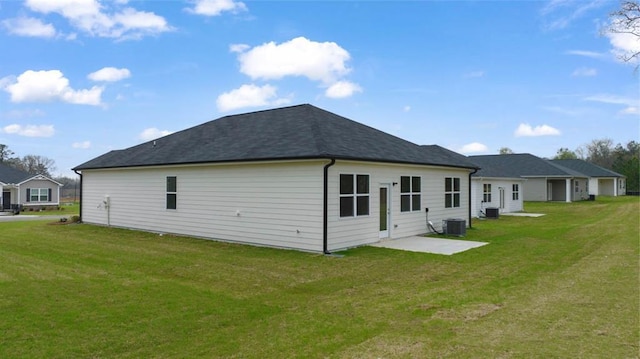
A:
{"points": [[602, 182], [28, 190], [545, 180], [493, 190], [295, 177]]}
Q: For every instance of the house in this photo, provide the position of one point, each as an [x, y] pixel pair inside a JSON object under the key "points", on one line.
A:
{"points": [[492, 188], [545, 180], [602, 182], [294, 177], [22, 189]]}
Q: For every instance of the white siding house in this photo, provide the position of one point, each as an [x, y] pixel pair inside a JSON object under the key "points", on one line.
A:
{"points": [[506, 194], [545, 180], [296, 177], [602, 182]]}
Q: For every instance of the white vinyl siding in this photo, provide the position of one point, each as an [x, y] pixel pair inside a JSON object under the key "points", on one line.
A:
{"points": [[351, 232], [275, 204], [510, 204]]}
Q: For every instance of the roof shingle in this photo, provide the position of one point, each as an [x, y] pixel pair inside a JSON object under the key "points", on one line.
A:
{"points": [[296, 132]]}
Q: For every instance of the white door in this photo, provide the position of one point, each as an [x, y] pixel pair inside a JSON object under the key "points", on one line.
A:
{"points": [[385, 210]]}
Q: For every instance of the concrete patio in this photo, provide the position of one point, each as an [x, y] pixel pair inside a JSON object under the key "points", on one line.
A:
{"points": [[429, 245]]}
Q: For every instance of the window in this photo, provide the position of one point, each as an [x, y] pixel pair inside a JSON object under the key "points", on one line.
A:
{"points": [[409, 193], [38, 194], [577, 185], [451, 192], [515, 191], [486, 192], [172, 189], [354, 195]]}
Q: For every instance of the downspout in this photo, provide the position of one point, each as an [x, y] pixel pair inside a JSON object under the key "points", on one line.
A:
{"points": [[325, 208], [80, 198], [470, 173]]}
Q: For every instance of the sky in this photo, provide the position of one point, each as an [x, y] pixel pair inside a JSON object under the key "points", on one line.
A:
{"points": [[79, 78]]}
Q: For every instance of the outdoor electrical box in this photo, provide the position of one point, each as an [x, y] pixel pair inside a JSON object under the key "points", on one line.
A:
{"points": [[492, 212], [454, 227]]}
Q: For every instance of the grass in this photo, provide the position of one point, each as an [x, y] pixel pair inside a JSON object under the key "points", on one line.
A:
{"points": [[65, 209], [563, 285]]}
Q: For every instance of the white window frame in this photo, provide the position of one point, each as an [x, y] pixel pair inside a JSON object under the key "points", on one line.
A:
{"points": [[515, 191], [355, 195], [452, 192], [39, 195], [486, 192], [411, 194], [171, 192]]}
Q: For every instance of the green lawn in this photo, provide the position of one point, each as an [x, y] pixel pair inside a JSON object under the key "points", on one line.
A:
{"points": [[565, 285]]}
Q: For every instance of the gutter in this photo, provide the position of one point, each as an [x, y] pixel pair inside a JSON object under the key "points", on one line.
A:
{"points": [[80, 174], [325, 208], [471, 173]]}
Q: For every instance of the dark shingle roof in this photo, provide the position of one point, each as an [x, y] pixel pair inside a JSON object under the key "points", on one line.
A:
{"points": [[519, 165], [10, 175], [296, 132], [587, 168]]}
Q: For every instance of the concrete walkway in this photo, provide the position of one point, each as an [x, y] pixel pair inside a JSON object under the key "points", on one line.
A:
{"points": [[520, 214], [25, 217], [429, 245]]}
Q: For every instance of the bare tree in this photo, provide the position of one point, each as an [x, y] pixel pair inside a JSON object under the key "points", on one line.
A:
{"points": [[36, 165], [505, 151], [626, 22], [600, 152]]}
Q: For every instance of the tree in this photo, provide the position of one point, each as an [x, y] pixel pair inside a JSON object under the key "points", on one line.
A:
{"points": [[565, 154], [36, 165], [505, 151], [624, 31], [5, 153], [626, 161], [599, 152]]}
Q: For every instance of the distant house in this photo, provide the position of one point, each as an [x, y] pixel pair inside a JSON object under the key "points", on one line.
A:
{"points": [[495, 191], [602, 182], [28, 190], [295, 177], [544, 179]]}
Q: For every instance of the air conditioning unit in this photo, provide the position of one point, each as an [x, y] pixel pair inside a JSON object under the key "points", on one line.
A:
{"points": [[492, 212], [454, 227]]}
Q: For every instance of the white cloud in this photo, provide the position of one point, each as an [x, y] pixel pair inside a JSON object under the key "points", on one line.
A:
{"points": [[624, 45], [110, 74], [474, 147], [239, 47], [474, 74], [590, 54], [342, 89], [317, 61], [30, 130], [584, 72], [30, 27], [153, 133], [82, 145], [215, 7], [249, 96], [94, 18], [44, 86], [526, 130], [559, 14], [631, 105]]}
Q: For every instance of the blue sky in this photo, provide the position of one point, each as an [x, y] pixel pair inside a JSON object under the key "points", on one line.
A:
{"points": [[79, 78]]}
